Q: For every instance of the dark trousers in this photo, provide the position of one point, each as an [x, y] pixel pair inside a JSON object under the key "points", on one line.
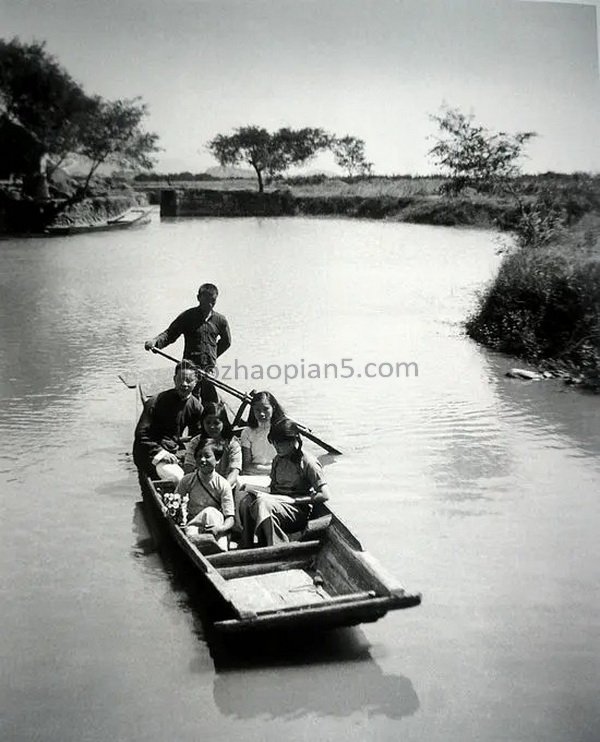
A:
{"points": [[206, 391]]}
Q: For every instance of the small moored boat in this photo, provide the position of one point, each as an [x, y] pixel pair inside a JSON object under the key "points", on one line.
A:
{"points": [[131, 218]]}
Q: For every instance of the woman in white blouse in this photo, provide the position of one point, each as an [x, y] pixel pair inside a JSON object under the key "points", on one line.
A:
{"points": [[257, 452]]}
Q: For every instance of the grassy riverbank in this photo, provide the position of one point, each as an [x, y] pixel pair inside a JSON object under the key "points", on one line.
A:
{"points": [[544, 304], [407, 199], [410, 199]]}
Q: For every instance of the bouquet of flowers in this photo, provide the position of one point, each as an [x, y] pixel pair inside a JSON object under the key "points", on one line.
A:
{"points": [[176, 506]]}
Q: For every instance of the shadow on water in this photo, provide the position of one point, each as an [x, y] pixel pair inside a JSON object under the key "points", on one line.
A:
{"points": [[327, 458], [329, 672], [145, 542]]}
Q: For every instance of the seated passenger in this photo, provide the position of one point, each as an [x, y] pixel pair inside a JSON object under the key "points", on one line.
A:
{"points": [[157, 440], [297, 481], [209, 496], [215, 425], [257, 451]]}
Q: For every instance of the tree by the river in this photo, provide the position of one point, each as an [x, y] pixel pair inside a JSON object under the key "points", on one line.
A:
{"points": [[474, 156], [113, 134], [349, 154], [268, 153], [62, 120]]}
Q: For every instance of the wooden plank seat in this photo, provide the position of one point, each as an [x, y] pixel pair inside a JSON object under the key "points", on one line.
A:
{"points": [[265, 554]]}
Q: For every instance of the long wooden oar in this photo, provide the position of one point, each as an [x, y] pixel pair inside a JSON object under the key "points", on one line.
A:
{"points": [[247, 398]]}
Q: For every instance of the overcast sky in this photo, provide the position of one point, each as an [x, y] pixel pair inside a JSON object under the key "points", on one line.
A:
{"points": [[371, 68]]}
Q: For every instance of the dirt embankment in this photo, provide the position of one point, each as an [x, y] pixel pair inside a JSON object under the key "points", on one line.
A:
{"points": [[20, 215], [98, 209]]}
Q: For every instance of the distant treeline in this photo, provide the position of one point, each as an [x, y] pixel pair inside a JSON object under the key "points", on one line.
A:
{"points": [[529, 181], [153, 177]]}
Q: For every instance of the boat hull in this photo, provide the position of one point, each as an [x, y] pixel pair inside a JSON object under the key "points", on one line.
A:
{"points": [[324, 579]]}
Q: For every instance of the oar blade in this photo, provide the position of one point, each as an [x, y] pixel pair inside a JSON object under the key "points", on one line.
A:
{"points": [[315, 439], [129, 381]]}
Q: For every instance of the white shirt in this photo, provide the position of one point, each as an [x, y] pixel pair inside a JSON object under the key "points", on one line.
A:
{"points": [[261, 451]]}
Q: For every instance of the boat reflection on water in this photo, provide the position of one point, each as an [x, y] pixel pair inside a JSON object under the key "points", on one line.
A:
{"points": [[328, 672], [145, 543]]}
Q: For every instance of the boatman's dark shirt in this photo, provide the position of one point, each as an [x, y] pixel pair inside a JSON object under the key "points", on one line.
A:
{"points": [[162, 423], [205, 337]]}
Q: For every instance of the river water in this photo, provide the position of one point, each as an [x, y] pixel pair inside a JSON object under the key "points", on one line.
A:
{"points": [[479, 491]]}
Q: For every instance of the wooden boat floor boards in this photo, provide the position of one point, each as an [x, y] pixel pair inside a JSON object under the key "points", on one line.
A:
{"points": [[276, 590]]}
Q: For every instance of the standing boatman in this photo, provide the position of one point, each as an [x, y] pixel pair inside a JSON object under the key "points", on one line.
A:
{"points": [[206, 334]]}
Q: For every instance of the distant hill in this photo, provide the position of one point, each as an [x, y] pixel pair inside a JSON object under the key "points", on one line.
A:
{"points": [[76, 165], [314, 173], [230, 172]]}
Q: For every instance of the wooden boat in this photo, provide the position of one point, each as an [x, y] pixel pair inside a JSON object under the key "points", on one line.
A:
{"points": [[131, 218], [322, 578]]}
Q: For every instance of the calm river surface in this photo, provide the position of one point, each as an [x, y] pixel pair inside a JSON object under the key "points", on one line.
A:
{"points": [[479, 491]]}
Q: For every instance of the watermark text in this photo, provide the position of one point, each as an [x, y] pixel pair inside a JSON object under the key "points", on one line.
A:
{"points": [[345, 368]]}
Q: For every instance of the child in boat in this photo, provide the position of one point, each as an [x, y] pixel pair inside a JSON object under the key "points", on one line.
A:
{"points": [[157, 440], [297, 481], [257, 451], [215, 425], [209, 496]]}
